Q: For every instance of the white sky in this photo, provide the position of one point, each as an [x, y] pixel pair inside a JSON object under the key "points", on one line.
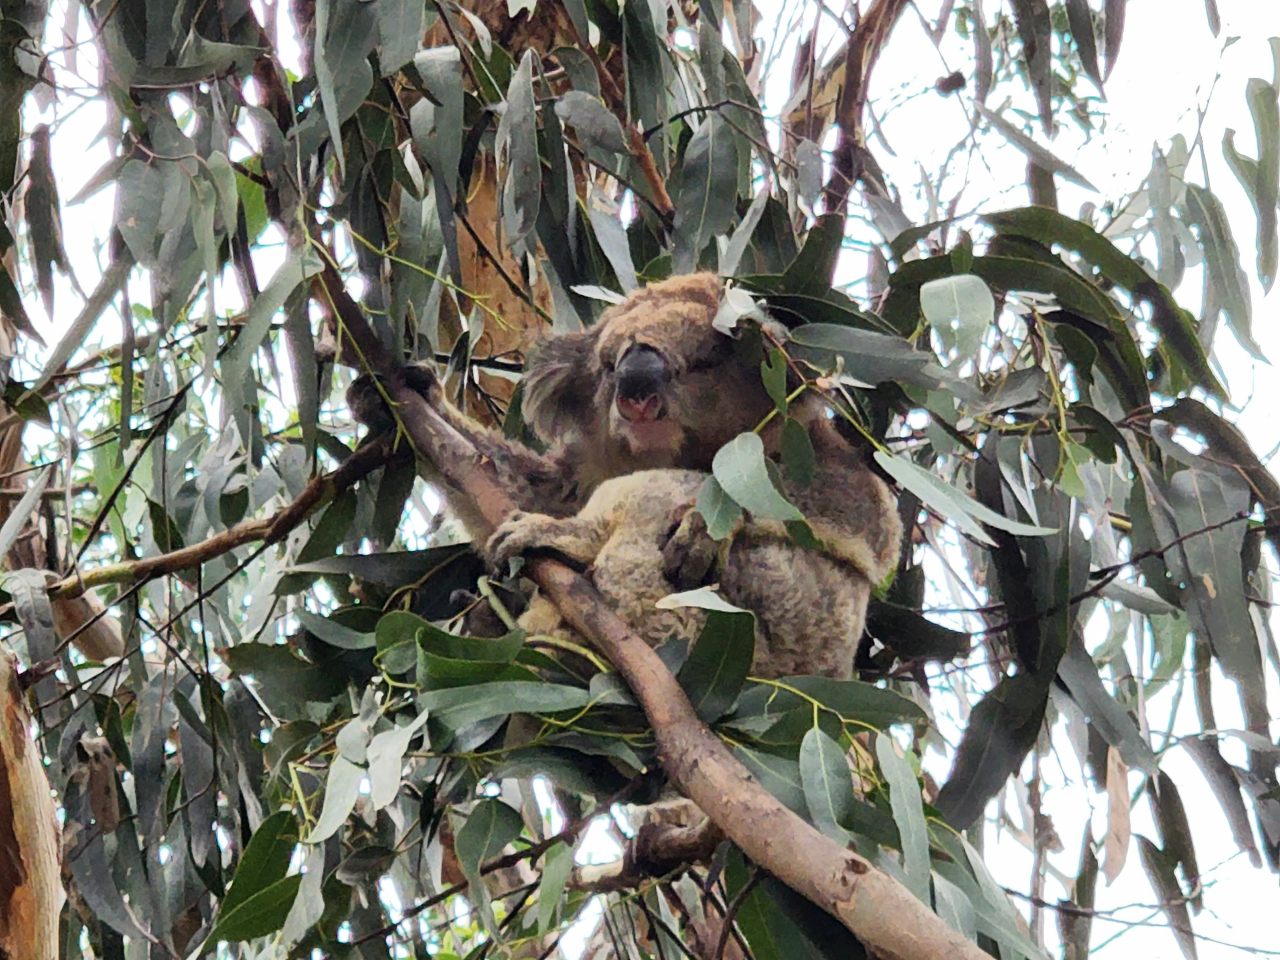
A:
{"points": [[1166, 67]]}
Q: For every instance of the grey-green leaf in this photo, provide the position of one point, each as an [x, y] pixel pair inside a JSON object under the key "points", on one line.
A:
{"points": [[719, 509], [462, 706], [964, 511], [828, 787], [960, 309], [595, 124], [740, 470], [340, 790], [908, 814], [490, 827], [517, 149], [708, 190]]}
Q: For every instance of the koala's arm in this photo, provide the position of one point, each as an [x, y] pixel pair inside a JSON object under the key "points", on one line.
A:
{"points": [[578, 539], [537, 482]]}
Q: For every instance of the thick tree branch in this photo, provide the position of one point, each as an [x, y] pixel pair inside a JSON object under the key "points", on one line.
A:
{"points": [[877, 909]]}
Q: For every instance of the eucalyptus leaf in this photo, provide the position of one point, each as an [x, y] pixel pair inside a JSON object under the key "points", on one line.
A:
{"points": [[908, 814], [705, 203], [596, 126], [828, 787], [966, 512], [739, 468], [718, 665]]}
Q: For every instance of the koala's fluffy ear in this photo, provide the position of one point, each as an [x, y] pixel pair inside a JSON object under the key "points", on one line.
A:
{"points": [[560, 385]]}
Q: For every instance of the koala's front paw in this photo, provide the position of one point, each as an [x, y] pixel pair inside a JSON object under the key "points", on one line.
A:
{"points": [[368, 405], [423, 379], [517, 535], [689, 555]]}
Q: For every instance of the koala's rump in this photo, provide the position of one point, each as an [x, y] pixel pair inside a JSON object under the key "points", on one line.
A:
{"points": [[810, 609]]}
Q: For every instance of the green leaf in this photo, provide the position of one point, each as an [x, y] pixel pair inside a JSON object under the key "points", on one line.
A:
{"points": [[400, 30], [960, 309], [908, 814], [828, 786], [706, 199], [951, 503], [265, 860], [808, 182], [1035, 29], [780, 776], [1214, 578], [852, 700], [1074, 929], [1042, 157], [345, 33], [462, 706], [718, 665], [1003, 726], [768, 932], [334, 633], [869, 357], [139, 199], [813, 267], [740, 470], [1106, 715], [1113, 18], [437, 127], [797, 453], [386, 758], [557, 866], [301, 264], [517, 150], [773, 371], [720, 510], [1080, 19], [1160, 871], [1175, 830], [490, 827], [1222, 261], [331, 529], [1051, 227], [263, 913], [742, 234]]}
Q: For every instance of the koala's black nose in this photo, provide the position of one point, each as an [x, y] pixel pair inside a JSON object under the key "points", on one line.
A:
{"points": [[641, 374]]}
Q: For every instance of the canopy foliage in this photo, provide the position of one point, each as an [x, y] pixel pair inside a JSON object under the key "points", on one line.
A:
{"points": [[290, 691]]}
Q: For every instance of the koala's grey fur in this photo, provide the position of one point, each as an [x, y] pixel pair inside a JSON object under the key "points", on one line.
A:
{"points": [[615, 494]]}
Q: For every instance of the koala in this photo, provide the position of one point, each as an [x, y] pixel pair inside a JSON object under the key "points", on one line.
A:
{"points": [[633, 411], [637, 534]]}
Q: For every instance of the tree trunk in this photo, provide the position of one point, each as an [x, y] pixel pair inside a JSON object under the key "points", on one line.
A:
{"points": [[31, 892]]}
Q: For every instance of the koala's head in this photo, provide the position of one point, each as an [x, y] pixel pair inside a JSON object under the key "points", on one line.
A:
{"points": [[653, 383]]}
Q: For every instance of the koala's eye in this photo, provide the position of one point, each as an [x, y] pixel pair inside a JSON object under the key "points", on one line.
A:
{"points": [[718, 355]]}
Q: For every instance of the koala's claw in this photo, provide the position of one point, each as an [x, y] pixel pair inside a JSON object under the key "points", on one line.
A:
{"points": [[368, 406], [519, 533], [689, 555]]}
